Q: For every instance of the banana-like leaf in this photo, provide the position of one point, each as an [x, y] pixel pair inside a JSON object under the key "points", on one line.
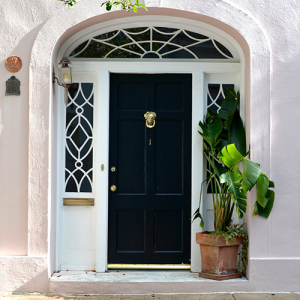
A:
{"points": [[230, 156], [237, 133], [224, 142], [255, 211], [251, 173], [263, 184], [262, 189], [265, 212], [211, 130], [262, 201], [229, 106], [265, 196], [230, 93], [227, 110], [232, 179]]}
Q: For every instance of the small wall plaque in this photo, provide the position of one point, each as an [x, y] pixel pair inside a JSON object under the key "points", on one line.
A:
{"points": [[13, 87]]}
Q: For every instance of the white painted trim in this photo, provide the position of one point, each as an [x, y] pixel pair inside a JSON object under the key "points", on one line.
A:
{"points": [[146, 21], [60, 220], [198, 70], [258, 104]]}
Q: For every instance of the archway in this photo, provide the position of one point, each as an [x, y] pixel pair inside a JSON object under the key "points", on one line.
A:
{"points": [[40, 98]]}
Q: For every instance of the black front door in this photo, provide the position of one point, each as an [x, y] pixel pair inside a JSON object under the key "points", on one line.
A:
{"points": [[150, 210]]}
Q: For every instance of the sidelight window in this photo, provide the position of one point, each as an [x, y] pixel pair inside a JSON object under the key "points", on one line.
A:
{"points": [[79, 138]]}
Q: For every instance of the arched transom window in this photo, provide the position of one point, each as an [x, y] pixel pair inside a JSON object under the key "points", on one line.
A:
{"points": [[152, 42]]}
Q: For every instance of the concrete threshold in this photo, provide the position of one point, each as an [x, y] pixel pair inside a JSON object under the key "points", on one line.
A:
{"points": [[216, 296], [132, 276], [141, 282]]}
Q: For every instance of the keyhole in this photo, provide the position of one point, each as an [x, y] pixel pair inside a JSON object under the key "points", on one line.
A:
{"points": [[150, 142]]}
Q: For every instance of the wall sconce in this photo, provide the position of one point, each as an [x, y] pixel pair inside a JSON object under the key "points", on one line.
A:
{"points": [[64, 76]]}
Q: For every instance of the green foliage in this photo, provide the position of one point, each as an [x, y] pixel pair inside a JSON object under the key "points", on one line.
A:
{"points": [[70, 3], [224, 140], [124, 4], [230, 233]]}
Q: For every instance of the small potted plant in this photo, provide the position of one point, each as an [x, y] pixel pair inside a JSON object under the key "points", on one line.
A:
{"points": [[231, 174]]}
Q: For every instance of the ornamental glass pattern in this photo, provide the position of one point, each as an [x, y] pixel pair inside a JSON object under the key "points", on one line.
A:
{"points": [[152, 42], [79, 138]]}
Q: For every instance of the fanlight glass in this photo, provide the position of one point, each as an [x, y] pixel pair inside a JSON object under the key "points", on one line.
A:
{"points": [[152, 42]]}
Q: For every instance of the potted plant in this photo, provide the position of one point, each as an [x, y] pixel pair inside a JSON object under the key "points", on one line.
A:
{"points": [[231, 174]]}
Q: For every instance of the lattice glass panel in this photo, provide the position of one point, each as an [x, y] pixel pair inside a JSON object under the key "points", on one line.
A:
{"points": [[215, 97], [79, 138], [152, 42]]}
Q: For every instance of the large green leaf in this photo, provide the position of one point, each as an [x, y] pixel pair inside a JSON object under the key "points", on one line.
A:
{"points": [[230, 93], [223, 142], [232, 179], [262, 184], [211, 130], [262, 189], [251, 173], [237, 133], [227, 110], [229, 106], [265, 212], [230, 156], [255, 211], [265, 196]]}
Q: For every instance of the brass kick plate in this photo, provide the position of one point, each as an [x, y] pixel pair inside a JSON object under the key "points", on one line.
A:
{"points": [[149, 266], [78, 202]]}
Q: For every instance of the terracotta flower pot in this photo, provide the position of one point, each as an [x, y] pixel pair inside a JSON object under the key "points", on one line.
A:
{"points": [[218, 258]]}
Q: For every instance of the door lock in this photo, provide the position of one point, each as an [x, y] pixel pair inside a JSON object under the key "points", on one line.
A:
{"points": [[113, 188], [113, 169]]}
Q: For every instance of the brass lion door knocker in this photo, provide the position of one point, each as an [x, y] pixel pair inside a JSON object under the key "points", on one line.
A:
{"points": [[150, 119]]}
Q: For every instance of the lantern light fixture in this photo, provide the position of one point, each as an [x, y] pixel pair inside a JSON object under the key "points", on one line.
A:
{"points": [[64, 76]]}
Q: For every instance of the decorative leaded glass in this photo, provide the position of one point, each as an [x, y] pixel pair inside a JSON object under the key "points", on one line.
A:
{"points": [[152, 42], [215, 96], [79, 138]]}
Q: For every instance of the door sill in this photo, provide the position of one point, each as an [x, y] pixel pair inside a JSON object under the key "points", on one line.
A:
{"points": [[131, 276], [148, 267]]}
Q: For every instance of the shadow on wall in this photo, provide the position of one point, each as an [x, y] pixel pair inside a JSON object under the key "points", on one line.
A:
{"points": [[24, 274]]}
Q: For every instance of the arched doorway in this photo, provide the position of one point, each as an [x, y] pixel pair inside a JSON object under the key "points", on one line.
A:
{"points": [[142, 48]]}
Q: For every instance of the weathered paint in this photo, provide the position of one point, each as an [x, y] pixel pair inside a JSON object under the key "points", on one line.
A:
{"points": [[268, 32]]}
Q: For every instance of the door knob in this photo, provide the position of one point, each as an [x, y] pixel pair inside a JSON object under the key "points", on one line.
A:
{"points": [[113, 188]]}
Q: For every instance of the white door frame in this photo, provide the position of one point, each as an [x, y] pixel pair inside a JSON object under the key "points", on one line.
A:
{"points": [[102, 69]]}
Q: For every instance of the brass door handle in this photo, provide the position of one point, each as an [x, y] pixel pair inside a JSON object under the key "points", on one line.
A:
{"points": [[113, 188], [150, 119]]}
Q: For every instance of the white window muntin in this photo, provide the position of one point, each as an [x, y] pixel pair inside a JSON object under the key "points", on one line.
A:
{"points": [[150, 21]]}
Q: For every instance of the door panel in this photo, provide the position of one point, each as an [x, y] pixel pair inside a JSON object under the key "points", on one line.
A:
{"points": [[131, 165], [174, 99], [135, 222], [169, 162], [168, 227], [149, 214]]}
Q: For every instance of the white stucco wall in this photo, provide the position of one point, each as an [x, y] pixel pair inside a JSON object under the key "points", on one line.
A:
{"points": [[32, 29]]}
